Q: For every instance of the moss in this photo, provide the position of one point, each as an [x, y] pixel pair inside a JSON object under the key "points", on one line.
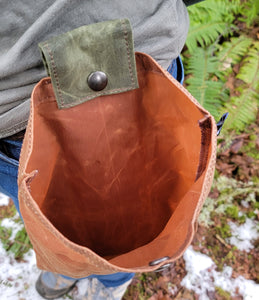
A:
{"points": [[143, 277], [216, 174], [250, 149], [232, 212], [252, 137], [224, 294], [242, 219], [224, 230], [251, 214], [231, 256], [255, 180]]}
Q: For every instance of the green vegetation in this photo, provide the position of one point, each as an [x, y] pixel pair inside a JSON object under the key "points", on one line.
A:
{"points": [[231, 193], [224, 230], [224, 294], [250, 149], [17, 243], [221, 61]]}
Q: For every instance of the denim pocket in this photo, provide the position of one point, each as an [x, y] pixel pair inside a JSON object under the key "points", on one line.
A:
{"points": [[10, 151]]}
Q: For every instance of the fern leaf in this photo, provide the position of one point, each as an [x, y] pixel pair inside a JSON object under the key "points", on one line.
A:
{"points": [[249, 71], [205, 34], [230, 53], [201, 84], [250, 11], [242, 110], [209, 20], [215, 10]]}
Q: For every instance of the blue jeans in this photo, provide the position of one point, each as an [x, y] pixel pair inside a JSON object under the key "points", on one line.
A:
{"points": [[9, 162]]}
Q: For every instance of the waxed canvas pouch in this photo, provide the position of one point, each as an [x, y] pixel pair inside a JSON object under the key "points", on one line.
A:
{"points": [[117, 159]]}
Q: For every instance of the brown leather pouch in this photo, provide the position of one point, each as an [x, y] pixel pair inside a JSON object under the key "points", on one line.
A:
{"points": [[116, 183]]}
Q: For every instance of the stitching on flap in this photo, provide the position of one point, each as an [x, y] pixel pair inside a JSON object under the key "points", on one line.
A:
{"points": [[46, 45], [128, 52]]}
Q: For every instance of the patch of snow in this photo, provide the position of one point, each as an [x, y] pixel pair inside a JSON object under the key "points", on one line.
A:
{"points": [[17, 279], [82, 287], [198, 278], [202, 278], [197, 262], [243, 235], [4, 200], [245, 204], [248, 288]]}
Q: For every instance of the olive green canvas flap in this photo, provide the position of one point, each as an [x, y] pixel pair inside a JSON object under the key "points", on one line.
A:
{"points": [[91, 61]]}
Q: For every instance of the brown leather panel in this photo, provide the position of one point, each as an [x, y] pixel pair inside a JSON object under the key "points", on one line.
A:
{"points": [[51, 251], [174, 237], [115, 175], [115, 163]]}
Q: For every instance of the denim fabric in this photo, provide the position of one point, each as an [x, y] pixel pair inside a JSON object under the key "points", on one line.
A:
{"points": [[176, 69], [9, 161], [9, 169]]}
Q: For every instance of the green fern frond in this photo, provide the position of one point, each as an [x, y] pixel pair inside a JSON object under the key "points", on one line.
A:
{"points": [[243, 109], [205, 34], [250, 11], [216, 10], [201, 84], [230, 53], [209, 20], [249, 71], [211, 61]]}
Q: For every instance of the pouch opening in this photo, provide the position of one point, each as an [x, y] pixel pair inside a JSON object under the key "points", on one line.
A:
{"points": [[112, 171]]}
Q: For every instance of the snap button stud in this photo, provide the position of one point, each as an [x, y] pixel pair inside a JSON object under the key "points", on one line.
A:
{"points": [[162, 268], [158, 261], [97, 81]]}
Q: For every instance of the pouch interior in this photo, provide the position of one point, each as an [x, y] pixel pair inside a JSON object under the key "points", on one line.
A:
{"points": [[112, 171]]}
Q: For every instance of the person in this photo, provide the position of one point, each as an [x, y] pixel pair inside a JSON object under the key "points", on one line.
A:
{"points": [[159, 28]]}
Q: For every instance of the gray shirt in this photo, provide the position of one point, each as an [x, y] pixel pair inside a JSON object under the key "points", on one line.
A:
{"points": [[159, 27]]}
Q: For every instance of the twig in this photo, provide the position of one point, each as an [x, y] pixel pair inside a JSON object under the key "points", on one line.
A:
{"points": [[222, 241]]}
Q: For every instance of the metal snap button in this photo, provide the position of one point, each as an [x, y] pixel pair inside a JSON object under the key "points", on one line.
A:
{"points": [[158, 261], [162, 268], [97, 81]]}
